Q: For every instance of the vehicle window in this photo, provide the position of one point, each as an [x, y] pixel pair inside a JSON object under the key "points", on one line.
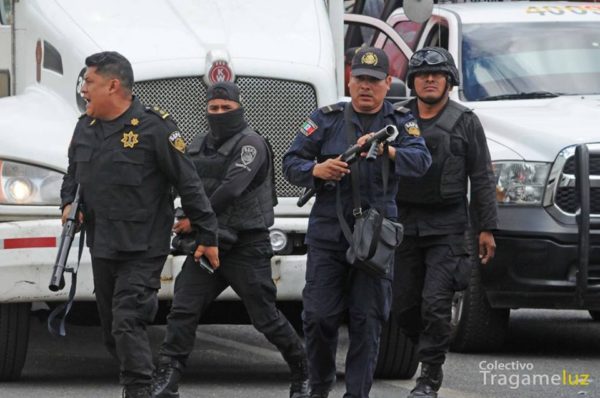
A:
{"points": [[437, 37], [6, 12], [530, 59], [410, 32]]}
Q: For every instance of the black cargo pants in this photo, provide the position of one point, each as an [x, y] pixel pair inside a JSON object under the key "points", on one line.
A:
{"points": [[247, 269], [127, 303], [428, 271]]}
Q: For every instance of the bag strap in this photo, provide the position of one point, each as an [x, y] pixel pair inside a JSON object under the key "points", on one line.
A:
{"points": [[354, 168], [355, 175]]}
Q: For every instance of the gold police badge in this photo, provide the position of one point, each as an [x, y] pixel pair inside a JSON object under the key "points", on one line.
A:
{"points": [[412, 128], [129, 139], [369, 59], [135, 121], [177, 141]]}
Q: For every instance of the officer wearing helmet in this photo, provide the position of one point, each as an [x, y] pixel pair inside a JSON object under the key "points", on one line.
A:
{"points": [[432, 262]]}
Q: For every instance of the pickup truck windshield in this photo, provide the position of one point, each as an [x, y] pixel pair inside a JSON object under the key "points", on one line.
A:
{"points": [[523, 60]]}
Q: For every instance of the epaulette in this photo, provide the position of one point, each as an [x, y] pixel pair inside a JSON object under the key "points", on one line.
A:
{"points": [[157, 111], [400, 108], [332, 108]]}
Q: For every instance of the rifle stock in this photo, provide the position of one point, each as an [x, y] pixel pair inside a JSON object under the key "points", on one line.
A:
{"points": [[57, 280], [352, 154]]}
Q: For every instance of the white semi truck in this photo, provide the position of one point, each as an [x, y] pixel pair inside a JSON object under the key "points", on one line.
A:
{"points": [[286, 56]]}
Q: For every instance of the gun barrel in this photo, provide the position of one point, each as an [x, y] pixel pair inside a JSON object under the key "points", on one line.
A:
{"points": [[57, 280]]}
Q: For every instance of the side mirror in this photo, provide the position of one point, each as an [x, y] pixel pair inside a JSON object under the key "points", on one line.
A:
{"points": [[397, 90]]}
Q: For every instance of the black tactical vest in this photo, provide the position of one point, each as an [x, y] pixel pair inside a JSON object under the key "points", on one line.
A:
{"points": [[253, 210], [446, 181]]}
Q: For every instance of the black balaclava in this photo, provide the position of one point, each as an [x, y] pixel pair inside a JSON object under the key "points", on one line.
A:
{"points": [[225, 125]]}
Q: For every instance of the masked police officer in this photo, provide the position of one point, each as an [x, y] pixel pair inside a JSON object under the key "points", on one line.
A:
{"points": [[126, 157], [333, 287], [235, 166], [432, 261]]}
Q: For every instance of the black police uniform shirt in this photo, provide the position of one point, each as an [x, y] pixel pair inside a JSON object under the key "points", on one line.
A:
{"points": [[323, 136], [126, 168], [453, 218]]}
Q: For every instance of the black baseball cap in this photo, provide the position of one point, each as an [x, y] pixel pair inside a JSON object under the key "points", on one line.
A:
{"points": [[370, 61], [223, 90]]}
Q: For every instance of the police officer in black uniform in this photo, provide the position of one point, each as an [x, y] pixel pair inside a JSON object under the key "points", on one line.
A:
{"points": [[432, 262], [333, 287], [126, 157], [235, 165]]}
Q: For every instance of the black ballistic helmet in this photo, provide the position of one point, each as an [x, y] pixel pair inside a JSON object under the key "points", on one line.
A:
{"points": [[432, 59]]}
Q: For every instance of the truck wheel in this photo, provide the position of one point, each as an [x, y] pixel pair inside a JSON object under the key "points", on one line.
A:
{"points": [[14, 338], [595, 315], [397, 354], [475, 325]]}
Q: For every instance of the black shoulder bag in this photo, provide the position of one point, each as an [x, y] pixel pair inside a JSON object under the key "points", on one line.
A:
{"points": [[374, 238]]}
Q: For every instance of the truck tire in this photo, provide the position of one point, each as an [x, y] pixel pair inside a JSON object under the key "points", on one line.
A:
{"points": [[476, 326], [595, 314], [397, 354], [14, 338]]}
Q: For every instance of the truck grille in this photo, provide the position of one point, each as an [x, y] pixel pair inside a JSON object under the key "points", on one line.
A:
{"points": [[276, 108], [566, 195]]}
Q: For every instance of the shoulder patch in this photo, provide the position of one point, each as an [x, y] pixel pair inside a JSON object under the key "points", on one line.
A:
{"points": [[157, 111], [176, 140], [412, 128], [400, 108], [332, 108], [308, 127], [247, 156]]}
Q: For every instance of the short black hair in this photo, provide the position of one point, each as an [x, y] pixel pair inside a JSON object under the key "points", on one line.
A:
{"points": [[114, 65]]}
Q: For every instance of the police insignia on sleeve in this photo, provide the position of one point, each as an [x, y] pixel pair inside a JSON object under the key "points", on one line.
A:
{"points": [[412, 128], [177, 141], [247, 156], [129, 139], [308, 127]]}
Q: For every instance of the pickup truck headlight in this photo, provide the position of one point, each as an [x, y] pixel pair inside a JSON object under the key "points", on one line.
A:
{"points": [[24, 184], [520, 183]]}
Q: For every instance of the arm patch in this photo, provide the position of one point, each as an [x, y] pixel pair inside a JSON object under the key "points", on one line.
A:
{"points": [[176, 140]]}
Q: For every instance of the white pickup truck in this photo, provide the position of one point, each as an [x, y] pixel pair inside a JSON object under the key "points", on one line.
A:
{"points": [[531, 72]]}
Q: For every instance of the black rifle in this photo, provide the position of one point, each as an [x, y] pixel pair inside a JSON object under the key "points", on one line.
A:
{"points": [[351, 155], [57, 280]]}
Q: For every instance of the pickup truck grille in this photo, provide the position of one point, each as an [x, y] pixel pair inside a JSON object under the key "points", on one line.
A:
{"points": [[567, 201], [566, 197], [276, 108]]}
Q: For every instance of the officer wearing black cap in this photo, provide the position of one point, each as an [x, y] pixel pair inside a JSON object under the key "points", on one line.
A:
{"points": [[126, 157], [432, 261], [236, 166], [333, 287]]}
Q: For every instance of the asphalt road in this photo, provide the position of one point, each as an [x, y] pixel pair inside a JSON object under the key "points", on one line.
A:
{"points": [[558, 351]]}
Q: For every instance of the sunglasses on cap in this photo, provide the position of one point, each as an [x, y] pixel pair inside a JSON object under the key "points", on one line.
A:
{"points": [[430, 57]]}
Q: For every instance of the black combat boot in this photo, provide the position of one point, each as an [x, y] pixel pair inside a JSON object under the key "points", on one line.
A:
{"points": [[319, 395], [429, 382], [299, 378], [137, 391], [166, 378]]}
